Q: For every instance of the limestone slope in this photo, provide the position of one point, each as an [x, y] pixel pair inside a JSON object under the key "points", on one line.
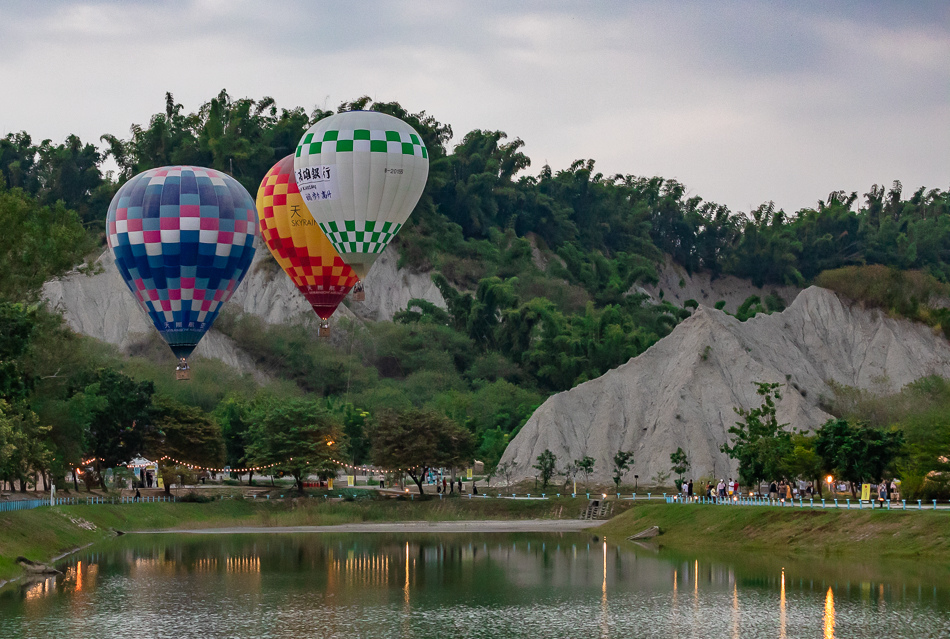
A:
{"points": [[101, 306], [681, 392]]}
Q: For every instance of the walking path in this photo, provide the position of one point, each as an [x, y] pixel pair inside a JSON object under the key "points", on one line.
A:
{"points": [[840, 503], [481, 526]]}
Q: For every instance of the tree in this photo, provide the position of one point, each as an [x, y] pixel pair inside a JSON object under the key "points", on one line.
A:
{"points": [[23, 449], [414, 440], [297, 437], [184, 433], [233, 413], [545, 466], [760, 444], [354, 428], [17, 332], [680, 462], [623, 462], [505, 470], [857, 453], [804, 461], [38, 243], [119, 416], [586, 466]]}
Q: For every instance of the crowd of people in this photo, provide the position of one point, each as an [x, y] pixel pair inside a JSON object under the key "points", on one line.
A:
{"points": [[782, 489]]}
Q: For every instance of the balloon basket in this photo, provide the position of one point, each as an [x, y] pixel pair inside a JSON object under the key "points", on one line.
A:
{"points": [[323, 331], [182, 371], [359, 296]]}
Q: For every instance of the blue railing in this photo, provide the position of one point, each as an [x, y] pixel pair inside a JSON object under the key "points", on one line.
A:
{"points": [[26, 504], [89, 500]]}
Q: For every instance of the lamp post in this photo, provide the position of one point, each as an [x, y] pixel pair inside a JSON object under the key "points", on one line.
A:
{"points": [[636, 483], [830, 481]]}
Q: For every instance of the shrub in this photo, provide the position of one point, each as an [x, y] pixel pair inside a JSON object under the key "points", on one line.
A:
{"points": [[907, 294], [195, 498]]}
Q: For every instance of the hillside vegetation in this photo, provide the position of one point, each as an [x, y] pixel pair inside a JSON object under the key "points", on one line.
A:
{"points": [[539, 272]]}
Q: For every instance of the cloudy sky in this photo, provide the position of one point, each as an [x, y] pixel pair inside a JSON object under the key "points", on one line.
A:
{"points": [[743, 102]]}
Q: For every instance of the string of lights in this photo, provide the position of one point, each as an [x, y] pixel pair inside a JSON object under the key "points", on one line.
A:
{"points": [[264, 467]]}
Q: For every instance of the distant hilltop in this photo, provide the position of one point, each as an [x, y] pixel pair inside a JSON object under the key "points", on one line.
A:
{"points": [[680, 393]]}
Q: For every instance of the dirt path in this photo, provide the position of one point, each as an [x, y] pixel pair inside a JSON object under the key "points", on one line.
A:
{"points": [[483, 526]]}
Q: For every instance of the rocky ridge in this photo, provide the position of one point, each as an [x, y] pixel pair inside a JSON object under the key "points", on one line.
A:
{"points": [[101, 306], [681, 392]]}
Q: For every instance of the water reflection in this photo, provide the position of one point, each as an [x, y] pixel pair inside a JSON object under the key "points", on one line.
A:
{"points": [[458, 585], [830, 614]]}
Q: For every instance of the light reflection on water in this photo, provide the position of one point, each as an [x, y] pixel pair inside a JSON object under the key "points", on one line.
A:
{"points": [[456, 585]]}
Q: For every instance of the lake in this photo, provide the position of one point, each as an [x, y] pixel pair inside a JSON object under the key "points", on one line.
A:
{"points": [[465, 585]]}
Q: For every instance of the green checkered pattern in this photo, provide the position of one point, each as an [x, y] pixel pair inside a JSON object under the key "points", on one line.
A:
{"points": [[363, 140], [371, 238]]}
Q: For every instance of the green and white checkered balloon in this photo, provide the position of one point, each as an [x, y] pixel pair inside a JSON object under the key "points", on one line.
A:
{"points": [[361, 174]]}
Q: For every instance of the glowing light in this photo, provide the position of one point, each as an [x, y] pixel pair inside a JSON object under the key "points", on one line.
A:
{"points": [[781, 608], [829, 479], [829, 615]]}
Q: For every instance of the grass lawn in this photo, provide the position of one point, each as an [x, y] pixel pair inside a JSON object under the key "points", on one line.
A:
{"points": [[898, 534]]}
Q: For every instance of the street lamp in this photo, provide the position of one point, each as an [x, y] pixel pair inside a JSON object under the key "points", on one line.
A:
{"points": [[636, 483]]}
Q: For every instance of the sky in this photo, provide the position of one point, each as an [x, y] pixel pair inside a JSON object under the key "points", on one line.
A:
{"points": [[742, 102]]}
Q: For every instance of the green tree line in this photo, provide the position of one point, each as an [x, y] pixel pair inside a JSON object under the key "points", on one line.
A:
{"points": [[539, 272]]}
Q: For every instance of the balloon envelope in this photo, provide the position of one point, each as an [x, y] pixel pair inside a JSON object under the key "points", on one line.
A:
{"points": [[183, 239], [298, 244], [361, 174]]}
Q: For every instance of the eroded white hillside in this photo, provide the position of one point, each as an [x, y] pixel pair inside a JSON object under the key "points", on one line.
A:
{"points": [[681, 392]]}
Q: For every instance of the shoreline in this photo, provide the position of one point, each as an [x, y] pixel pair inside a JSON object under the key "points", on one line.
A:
{"points": [[409, 526]]}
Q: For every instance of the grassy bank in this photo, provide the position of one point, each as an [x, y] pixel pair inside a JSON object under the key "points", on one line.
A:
{"points": [[827, 533], [44, 533]]}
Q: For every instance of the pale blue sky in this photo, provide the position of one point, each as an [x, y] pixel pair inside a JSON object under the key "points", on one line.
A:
{"points": [[742, 101]]}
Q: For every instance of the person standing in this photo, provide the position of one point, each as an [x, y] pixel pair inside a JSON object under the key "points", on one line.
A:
{"points": [[773, 490], [690, 492]]}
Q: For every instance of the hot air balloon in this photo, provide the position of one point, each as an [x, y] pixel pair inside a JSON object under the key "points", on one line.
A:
{"points": [[298, 244], [183, 239], [361, 173]]}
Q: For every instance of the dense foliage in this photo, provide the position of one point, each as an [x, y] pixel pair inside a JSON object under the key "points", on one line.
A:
{"points": [[539, 272]]}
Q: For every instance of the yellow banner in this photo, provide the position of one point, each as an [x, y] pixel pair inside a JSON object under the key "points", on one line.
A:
{"points": [[865, 492], [330, 484], [351, 480], [468, 474]]}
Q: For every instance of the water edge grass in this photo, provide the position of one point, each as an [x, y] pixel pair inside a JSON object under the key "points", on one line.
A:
{"points": [[47, 532]]}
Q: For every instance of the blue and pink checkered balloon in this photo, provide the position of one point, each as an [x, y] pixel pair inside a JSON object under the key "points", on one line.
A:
{"points": [[183, 239]]}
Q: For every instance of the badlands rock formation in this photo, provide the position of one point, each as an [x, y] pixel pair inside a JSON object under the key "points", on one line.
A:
{"points": [[681, 392], [102, 307]]}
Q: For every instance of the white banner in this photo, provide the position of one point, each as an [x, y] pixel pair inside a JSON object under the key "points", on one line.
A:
{"points": [[317, 183]]}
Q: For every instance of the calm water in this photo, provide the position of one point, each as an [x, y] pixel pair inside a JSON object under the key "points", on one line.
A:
{"points": [[376, 585]]}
